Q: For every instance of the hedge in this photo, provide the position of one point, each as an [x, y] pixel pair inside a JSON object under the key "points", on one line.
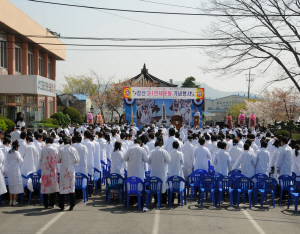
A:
{"points": [[47, 125], [3, 125], [10, 124], [50, 121], [73, 114], [282, 133]]}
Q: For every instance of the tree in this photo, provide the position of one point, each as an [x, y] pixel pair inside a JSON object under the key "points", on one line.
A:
{"points": [[79, 85], [189, 82], [260, 34]]}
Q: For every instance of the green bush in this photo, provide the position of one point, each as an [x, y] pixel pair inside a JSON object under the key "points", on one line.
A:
{"points": [[54, 116], [50, 121], [3, 125], [61, 118], [73, 114], [282, 133], [47, 125], [10, 124]]}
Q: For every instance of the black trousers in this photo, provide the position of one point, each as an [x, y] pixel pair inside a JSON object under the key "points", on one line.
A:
{"points": [[61, 202], [164, 198], [49, 199]]}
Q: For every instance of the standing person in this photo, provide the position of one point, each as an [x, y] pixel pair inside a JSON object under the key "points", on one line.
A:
{"points": [[21, 123], [109, 147], [22, 143], [49, 183], [83, 153], [222, 160], [177, 161], [2, 181], [117, 160], [151, 143], [159, 159], [15, 135], [296, 162], [12, 164], [274, 156], [102, 143], [136, 157], [91, 151], [30, 157], [5, 147], [263, 159], [201, 155], [235, 152], [168, 146], [188, 157], [284, 160], [68, 158]]}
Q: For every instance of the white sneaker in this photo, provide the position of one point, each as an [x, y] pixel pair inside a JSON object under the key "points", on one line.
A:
{"points": [[15, 203], [10, 202]]}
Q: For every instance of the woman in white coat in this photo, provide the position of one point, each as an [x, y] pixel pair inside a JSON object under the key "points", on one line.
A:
{"points": [[6, 146], [12, 164], [2, 181], [117, 160], [296, 162]]}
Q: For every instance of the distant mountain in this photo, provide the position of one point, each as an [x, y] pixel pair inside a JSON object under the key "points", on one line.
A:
{"points": [[211, 93]]}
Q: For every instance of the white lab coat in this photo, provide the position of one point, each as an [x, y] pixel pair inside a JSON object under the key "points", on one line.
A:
{"points": [[151, 145], [176, 163], [31, 159], [68, 158], [229, 145], [263, 160], [188, 158], [117, 163], [109, 150], [284, 161], [90, 157], [97, 158], [247, 161], [273, 159], [22, 147], [159, 159], [168, 146], [201, 155], [12, 164], [296, 165], [136, 157], [15, 135], [222, 162], [103, 147], [235, 152], [2, 181], [83, 153]]}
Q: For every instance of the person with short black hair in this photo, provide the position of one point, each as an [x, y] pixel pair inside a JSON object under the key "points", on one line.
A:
{"points": [[22, 143], [222, 160], [188, 157], [15, 134], [117, 160], [284, 160], [176, 163], [31, 158], [168, 146], [151, 143], [83, 154], [91, 150], [201, 155], [247, 161], [296, 162], [235, 152], [263, 159]]}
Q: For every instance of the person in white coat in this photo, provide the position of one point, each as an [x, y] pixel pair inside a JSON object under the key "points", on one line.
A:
{"points": [[235, 152], [201, 155], [177, 161], [30, 157], [102, 143], [296, 162], [136, 157], [91, 151], [109, 147], [49, 182], [263, 159], [15, 135], [67, 157], [168, 146], [5, 147], [97, 157], [284, 160], [159, 159], [151, 143], [83, 153], [117, 160], [247, 161], [188, 157], [222, 160], [274, 156], [2, 181], [22, 143], [12, 164]]}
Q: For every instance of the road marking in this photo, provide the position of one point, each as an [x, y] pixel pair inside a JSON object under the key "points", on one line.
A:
{"points": [[254, 223], [52, 221], [155, 227]]}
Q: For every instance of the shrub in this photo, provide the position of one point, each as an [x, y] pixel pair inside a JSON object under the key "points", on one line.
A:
{"points": [[73, 114], [10, 124], [47, 125], [50, 121], [3, 125], [54, 116], [61, 118], [282, 133]]}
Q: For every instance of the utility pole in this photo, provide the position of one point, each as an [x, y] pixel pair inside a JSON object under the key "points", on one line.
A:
{"points": [[249, 81]]}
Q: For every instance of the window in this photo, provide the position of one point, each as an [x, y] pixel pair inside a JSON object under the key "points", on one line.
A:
{"points": [[40, 66], [3, 54], [18, 59], [30, 63], [49, 68]]}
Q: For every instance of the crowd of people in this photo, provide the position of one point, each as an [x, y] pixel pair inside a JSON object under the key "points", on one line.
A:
{"points": [[132, 152]]}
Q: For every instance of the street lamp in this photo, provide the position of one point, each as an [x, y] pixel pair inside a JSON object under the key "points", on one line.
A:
{"points": [[92, 109]]}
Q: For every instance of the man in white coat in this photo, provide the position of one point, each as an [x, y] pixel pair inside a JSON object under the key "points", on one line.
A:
{"points": [[15, 135], [235, 152], [159, 159], [188, 157], [201, 155], [168, 146], [284, 160], [97, 159], [222, 160], [263, 159], [68, 158], [176, 163], [83, 153], [30, 158], [22, 143], [151, 143], [91, 150]]}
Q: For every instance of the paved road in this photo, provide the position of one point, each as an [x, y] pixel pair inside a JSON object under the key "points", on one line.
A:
{"points": [[97, 217]]}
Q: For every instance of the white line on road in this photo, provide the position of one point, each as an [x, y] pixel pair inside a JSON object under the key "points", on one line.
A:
{"points": [[254, 223], [155, 227], [52, 221]]}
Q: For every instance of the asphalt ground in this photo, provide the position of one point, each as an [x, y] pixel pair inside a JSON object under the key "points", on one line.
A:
{"points": [[97, 217]]}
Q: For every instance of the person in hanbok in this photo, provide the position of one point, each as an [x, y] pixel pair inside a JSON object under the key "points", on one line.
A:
{"points": [[109, 148], [2, 181], [188, 157], [296, 162], [22, 143], [67, 157], [222, 160], [12, 164], [49, 181]]}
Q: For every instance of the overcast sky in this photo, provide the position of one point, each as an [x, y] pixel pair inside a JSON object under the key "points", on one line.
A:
{"points": [[175, 64]]}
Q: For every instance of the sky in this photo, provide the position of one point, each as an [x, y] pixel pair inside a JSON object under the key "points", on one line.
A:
{"points": [[176, 64]]}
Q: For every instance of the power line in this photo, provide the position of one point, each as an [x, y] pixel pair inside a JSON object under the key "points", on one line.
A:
{"points": [[166, 4], [159, 12]]}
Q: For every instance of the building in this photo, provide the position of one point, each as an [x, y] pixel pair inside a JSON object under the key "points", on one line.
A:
{"points": [[145, 77], [28, 55], [216, 108]]}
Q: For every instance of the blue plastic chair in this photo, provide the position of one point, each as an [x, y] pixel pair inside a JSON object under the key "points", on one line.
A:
{"points": [[108, 166], [244, 185], [24, 187], [79, 185], [36, 178], [294, 175], [236, 175], [207, 184], [193, 182], [257, 185], [154, 186], [295, 194], [285, 183], [225, 184], [90, 184], [234, 171], [96, 179], [114, 181], [268, 187], [202, 171], [147, 174], [134, 186], [174, 183], [211, 168]]}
